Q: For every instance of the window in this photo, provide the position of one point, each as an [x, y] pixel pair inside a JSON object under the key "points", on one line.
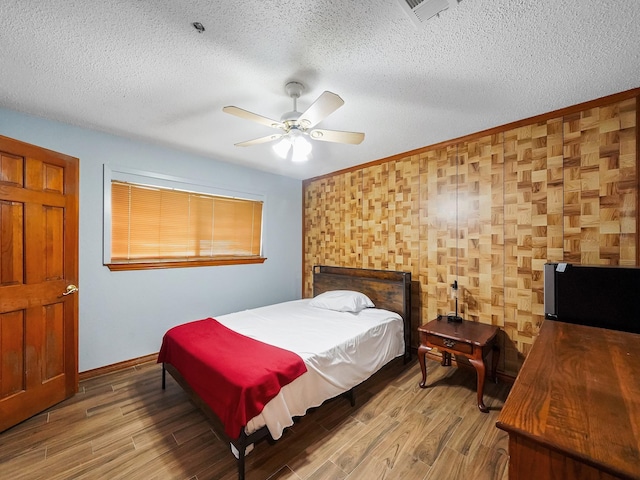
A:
{"points": [[163, 227]]}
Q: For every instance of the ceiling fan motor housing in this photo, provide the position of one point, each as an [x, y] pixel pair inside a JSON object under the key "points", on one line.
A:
{"points": [[290, 119]]}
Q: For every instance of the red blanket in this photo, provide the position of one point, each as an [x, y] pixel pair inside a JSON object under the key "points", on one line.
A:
{"points": [[234, 374]]}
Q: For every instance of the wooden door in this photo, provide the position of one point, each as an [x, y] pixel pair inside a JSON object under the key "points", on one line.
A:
{"points": [[38, 262]]}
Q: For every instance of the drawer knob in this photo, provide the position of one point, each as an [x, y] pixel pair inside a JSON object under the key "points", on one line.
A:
{"points": [[448, 343]]}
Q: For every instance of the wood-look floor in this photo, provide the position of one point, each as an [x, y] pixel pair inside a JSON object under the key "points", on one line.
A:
{"points": [[124, 426]]}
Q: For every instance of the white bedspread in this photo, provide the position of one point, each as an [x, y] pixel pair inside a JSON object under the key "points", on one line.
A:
{"points": [[340, 350]]}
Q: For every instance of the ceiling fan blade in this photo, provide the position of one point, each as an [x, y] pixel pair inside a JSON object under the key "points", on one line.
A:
{"points": [[337, 136], [257, 141], [239, 112], [325, 105]]}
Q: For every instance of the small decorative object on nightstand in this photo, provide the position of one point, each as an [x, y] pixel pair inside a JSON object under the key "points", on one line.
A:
{"points": [[470, 339], [454, 294]]}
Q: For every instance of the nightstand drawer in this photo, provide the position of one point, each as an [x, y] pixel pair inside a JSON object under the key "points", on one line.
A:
{"points": [[462, 347]]}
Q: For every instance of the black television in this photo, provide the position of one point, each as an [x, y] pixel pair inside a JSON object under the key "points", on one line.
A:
{"points": [[597, 296]]}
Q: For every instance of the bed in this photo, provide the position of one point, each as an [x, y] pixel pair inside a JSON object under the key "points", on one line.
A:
{"points": [[339, 342]]}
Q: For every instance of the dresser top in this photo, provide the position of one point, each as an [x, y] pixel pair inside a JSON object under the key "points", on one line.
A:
{"points": [[578, 392]]}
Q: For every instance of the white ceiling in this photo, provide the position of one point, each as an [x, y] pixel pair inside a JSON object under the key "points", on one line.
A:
{"points": [[138, 68]]}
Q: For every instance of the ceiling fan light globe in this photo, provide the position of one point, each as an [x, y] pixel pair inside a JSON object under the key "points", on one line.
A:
{"points": [[299, 156], [282, 148], [301, 145]]}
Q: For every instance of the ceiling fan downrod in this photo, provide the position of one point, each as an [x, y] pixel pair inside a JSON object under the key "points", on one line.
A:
{"points": [[294, 90]]}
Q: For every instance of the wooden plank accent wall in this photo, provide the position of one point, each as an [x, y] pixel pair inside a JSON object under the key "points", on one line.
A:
{"points": [[488, 210]]}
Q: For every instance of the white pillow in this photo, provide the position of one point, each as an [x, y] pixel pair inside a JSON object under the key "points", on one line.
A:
{"points": [[342, 301]]}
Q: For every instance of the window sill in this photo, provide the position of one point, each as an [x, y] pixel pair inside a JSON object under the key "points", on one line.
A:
{"points": [[213, 262]]}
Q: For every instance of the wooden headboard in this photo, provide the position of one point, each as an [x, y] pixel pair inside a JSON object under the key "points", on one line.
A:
{"points": [[386, 289]]}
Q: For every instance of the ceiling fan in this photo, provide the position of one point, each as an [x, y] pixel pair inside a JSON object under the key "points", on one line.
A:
{"points": [[296, 127]]}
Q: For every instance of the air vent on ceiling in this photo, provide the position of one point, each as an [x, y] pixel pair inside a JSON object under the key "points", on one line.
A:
{"points": [[420, 11]]}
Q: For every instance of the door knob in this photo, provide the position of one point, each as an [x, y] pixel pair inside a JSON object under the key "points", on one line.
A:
{"points": [[70, 289]]}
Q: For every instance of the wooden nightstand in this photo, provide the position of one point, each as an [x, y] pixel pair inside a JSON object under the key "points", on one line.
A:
{"points": [[471, 339]]}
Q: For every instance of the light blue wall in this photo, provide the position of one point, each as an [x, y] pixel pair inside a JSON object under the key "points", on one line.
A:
{"points": [[123, 315]]}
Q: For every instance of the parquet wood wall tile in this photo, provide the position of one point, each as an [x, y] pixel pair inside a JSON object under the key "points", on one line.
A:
{"points": [[407, 229], [627, 184], [463, 230], [601, 193], [555, 191], [430, 272], [489, 213], [311, 220], [354, 220], [510, 257], [374, 217], [453, 256], [497, 230], [477, 292], [441, 186]]}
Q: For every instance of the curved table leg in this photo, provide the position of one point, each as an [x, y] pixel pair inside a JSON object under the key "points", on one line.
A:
{"points": [[480, 369], [422, 351]]}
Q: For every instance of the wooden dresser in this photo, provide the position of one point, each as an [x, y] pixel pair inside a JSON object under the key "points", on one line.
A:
{"points": [[574, 409]]}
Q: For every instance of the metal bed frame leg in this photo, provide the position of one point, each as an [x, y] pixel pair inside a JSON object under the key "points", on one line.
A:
{"points": [[241, 446], [351, 396], [241, 464]]}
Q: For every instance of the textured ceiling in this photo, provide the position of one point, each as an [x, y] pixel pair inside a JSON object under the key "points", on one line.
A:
{"points": [[138, 68]]}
